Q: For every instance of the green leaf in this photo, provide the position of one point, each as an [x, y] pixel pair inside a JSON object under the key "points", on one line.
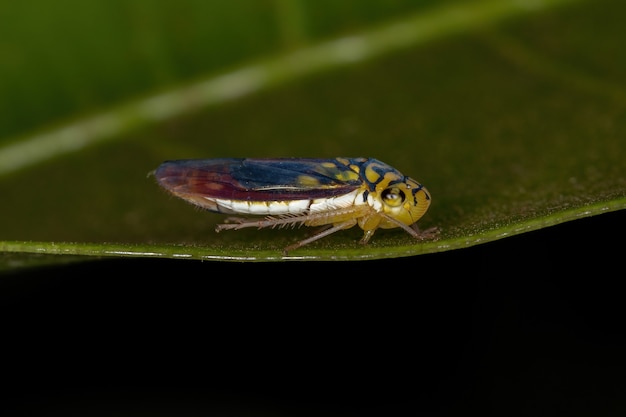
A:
{"points": [[510, 115]]}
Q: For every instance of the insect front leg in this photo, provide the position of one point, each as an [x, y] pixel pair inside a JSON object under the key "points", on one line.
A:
{"points": [[430, 233]]}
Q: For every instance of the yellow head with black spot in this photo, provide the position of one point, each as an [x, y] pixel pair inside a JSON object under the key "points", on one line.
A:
{"points": [[405, 201], [399, 197]]}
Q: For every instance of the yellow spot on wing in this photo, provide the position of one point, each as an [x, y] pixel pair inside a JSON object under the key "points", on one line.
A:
{"points": [[308, 181], [333, 170], [347, 175]]}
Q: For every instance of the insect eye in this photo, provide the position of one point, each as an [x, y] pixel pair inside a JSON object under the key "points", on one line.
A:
{"points": [[393, 196]]}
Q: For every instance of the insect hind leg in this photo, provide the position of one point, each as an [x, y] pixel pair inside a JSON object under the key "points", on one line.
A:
{"points": [[236, 223]]}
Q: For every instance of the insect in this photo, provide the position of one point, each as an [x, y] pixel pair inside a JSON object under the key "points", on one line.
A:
{"points": [[335, 193]]}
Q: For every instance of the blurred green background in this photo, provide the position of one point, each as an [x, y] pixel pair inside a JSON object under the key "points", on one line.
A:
{"points": [[69, 58]]}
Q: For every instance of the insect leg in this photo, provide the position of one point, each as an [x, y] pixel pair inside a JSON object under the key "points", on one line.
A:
{"points": [[242, 222], [309, 219], [367, 236], [430, 233], [340, 226]]}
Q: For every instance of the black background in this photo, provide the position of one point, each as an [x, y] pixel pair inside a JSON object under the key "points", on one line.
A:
{"points": [[528, 325]]}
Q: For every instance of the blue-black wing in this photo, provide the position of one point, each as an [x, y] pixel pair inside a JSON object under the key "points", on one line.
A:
{"points": [[277, 179]]}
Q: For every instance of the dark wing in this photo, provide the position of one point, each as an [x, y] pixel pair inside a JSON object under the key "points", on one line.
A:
{"points": [[280, 179]]}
